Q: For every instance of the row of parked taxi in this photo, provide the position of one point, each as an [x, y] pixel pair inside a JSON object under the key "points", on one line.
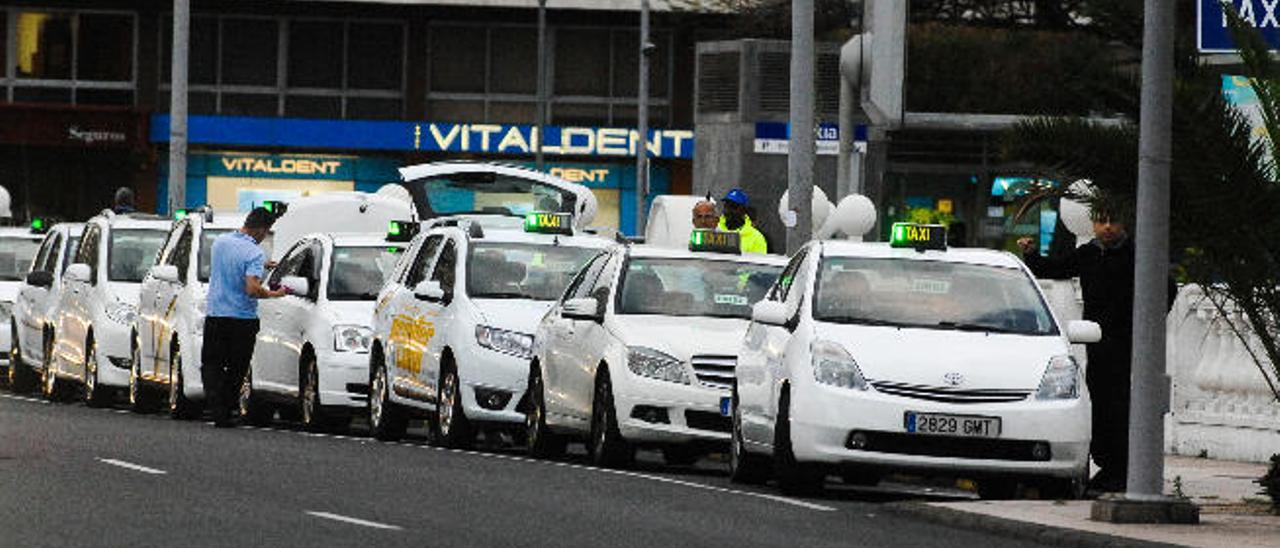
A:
{"points": [[476, 297]]}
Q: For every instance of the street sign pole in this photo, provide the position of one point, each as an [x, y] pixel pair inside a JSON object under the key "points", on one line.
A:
{"points": [[642, 120], [178, 106], [801, 136]]}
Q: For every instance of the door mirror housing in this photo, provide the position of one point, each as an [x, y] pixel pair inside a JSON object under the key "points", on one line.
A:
{"points": [[1083, 332], [769, 313], [297, 285], [429, 290], [40, 278], [79, 272], [583, 309], [165, 273]]}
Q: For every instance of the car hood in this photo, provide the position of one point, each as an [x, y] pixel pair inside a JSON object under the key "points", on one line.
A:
{"points": [[675, 335], [926, 356], [125, 292], [520, 315], [350, 312]]}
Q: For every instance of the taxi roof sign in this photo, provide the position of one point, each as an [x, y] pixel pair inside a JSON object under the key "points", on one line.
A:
{"points": [[715, 241], [275, 207], [180, 214], [549, 223], [918, 236], [38, 226], [401, 231]]}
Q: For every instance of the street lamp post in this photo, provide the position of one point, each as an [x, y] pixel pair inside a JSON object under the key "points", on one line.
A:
{"points": [[178, 106], [800, 155], [542, 84], [642, 120]]}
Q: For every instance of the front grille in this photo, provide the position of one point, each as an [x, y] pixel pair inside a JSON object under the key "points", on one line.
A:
{"points": [[357, 388], [706, 420], [953, 447], [950, 395], [715, 371]]}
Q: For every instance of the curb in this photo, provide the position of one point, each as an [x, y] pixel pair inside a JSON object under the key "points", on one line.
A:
{"points": [[1054, 536]]}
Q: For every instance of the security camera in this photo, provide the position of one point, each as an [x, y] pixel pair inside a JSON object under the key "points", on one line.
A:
{"points": [[648, 48]]}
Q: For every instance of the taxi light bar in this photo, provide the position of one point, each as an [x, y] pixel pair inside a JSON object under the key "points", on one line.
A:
{"points": [[275, 207], [918, 236], [39, 226], [180, 214], [549, 223], [401, 231], [715, 241]]}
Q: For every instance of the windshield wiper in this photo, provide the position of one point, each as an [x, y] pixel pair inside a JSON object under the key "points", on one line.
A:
{"points": [[503, 295], [860, 321], [962, 326]]}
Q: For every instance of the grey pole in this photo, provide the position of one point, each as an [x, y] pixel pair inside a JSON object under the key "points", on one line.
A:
{"points": [[845, 162], [178, 106], [642, 120], [1150, 386], [542, 84], [800, 157]]}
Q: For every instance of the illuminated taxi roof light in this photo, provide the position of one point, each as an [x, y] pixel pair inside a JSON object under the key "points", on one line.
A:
{"points": [[714, 241], [275, 207], [549, 223], [180, 214], [401, 231], [918, 236], [38, 225]]}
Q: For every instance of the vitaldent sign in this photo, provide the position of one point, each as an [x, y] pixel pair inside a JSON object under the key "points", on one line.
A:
{"points": [[569, 141], [1214, 30]]}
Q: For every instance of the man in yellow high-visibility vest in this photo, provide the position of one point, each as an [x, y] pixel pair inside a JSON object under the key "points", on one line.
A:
{"points": [[735, 219]]}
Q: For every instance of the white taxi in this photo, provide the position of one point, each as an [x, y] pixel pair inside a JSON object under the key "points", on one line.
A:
{"points": [[453, 328], [94, 316], [868, 358], [169, 330], [311, 358], [641, 351], [18, 247], [31, 327]]}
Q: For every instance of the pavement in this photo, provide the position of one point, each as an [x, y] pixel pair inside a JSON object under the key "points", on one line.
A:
{"points": [[1232, 513]]}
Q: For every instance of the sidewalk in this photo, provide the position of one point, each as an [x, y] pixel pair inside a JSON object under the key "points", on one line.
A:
{"points": [[1231, 513]]}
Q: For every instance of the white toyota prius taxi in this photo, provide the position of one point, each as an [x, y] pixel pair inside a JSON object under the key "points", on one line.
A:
{"points": [[868, 358], [453, 327], [640, 351]]}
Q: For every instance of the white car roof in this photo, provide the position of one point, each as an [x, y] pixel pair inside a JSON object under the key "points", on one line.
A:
{"points": [[419, 171], [664, 252], [508, 235], [19, 232], [224, 220], [882, 250], [75, 229], [362, 239], [136, 220]]}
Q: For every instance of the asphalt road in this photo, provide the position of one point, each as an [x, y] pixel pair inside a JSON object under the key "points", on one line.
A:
{"points": [[74, 476]]}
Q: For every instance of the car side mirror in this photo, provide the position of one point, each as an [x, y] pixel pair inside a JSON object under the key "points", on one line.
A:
{"points": [[297, 285], [769, 313], [583, 309], [165, 273], [1083, 332], [40, 278], [428, 290], [78, 272]]}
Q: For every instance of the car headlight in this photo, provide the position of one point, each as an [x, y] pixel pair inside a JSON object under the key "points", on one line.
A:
{"points": [[832, 365], [1061, 380], [504, 341], [352, 338], [122, 313], [651, 363]]}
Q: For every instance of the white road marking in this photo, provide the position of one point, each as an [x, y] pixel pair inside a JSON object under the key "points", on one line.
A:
{"points": [[131, 466], [354, 521], [23, 398]]}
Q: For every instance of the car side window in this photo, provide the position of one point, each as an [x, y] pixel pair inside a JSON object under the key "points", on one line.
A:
{"points": [[446, 266], [41, 264], [590, 274], [604, 279], [418, 270], [88, 252], [287, 267], [788, 277], [180, 255], [572, 288]]}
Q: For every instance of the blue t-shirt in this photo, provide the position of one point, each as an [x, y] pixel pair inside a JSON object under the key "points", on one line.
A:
{"points": [[234, 256]]}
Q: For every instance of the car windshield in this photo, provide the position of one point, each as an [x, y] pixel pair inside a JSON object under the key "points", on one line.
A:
{"points": [[357, 273], [16, 255], [133, 252], [694, 287], [930, 294], [538, 272], [484, 192]]}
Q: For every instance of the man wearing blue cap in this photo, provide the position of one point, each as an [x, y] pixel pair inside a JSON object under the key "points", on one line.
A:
{"points": [[735, 219]]}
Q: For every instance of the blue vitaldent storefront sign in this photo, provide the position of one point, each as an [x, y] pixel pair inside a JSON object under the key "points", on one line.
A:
{"points": [[1214, 30], [497, 139]]}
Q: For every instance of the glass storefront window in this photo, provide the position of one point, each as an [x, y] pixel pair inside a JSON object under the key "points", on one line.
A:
{"points": [[514, 54], [202, 50], [457, 59], [310, 106], [104, 48], [44, 45], [364, 108], [582, 62]]}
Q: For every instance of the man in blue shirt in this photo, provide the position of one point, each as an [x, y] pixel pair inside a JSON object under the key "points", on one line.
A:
{"points": [[235, 284]]}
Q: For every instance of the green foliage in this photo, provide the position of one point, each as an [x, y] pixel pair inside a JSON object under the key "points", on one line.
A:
{"points": [[1270, 483], [927, 216]]}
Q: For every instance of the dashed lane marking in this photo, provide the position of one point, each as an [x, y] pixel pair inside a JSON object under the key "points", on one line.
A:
{"points": [[353, 521], [23, 398], [132, 466]]}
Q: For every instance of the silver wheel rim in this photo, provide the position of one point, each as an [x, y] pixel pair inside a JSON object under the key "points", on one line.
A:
{"points": [[246, 390], [375, 402], [91, 372], [133, 385], [175, 380], [49, 380], [308, 395], [448, 394], [14, 356]]}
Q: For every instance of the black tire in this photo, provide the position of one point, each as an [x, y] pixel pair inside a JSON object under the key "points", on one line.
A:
{"points": [[95, 395], [744, 466], [141, 397], [253, 411], [387, 421], [541, 441], [861, 477], [997, 489], [606, 446], [180, 408], [310, 412], [681, 455], [21, 378], [451, 424], [794, 478]]}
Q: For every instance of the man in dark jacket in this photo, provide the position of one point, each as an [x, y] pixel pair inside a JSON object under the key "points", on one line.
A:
{"points": [[1105, 268]]}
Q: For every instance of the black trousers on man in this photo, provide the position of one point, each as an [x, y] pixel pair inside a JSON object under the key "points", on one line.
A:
{"points": [[1108, 379], [228, 346]]}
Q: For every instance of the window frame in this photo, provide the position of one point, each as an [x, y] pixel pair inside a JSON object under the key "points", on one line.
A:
{"points": [[10, 80]]}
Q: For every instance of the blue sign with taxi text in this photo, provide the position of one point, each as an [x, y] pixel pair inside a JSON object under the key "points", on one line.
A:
{"points": [[1214, 30]]}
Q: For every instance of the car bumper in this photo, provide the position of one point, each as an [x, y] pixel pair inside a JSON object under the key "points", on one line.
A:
{"points": [[493, 386], [661, 412], [1037, 438], [344, 379], [113, 352]]}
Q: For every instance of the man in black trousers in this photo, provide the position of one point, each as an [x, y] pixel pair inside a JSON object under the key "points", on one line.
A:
{"points": [[235, 283]]}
